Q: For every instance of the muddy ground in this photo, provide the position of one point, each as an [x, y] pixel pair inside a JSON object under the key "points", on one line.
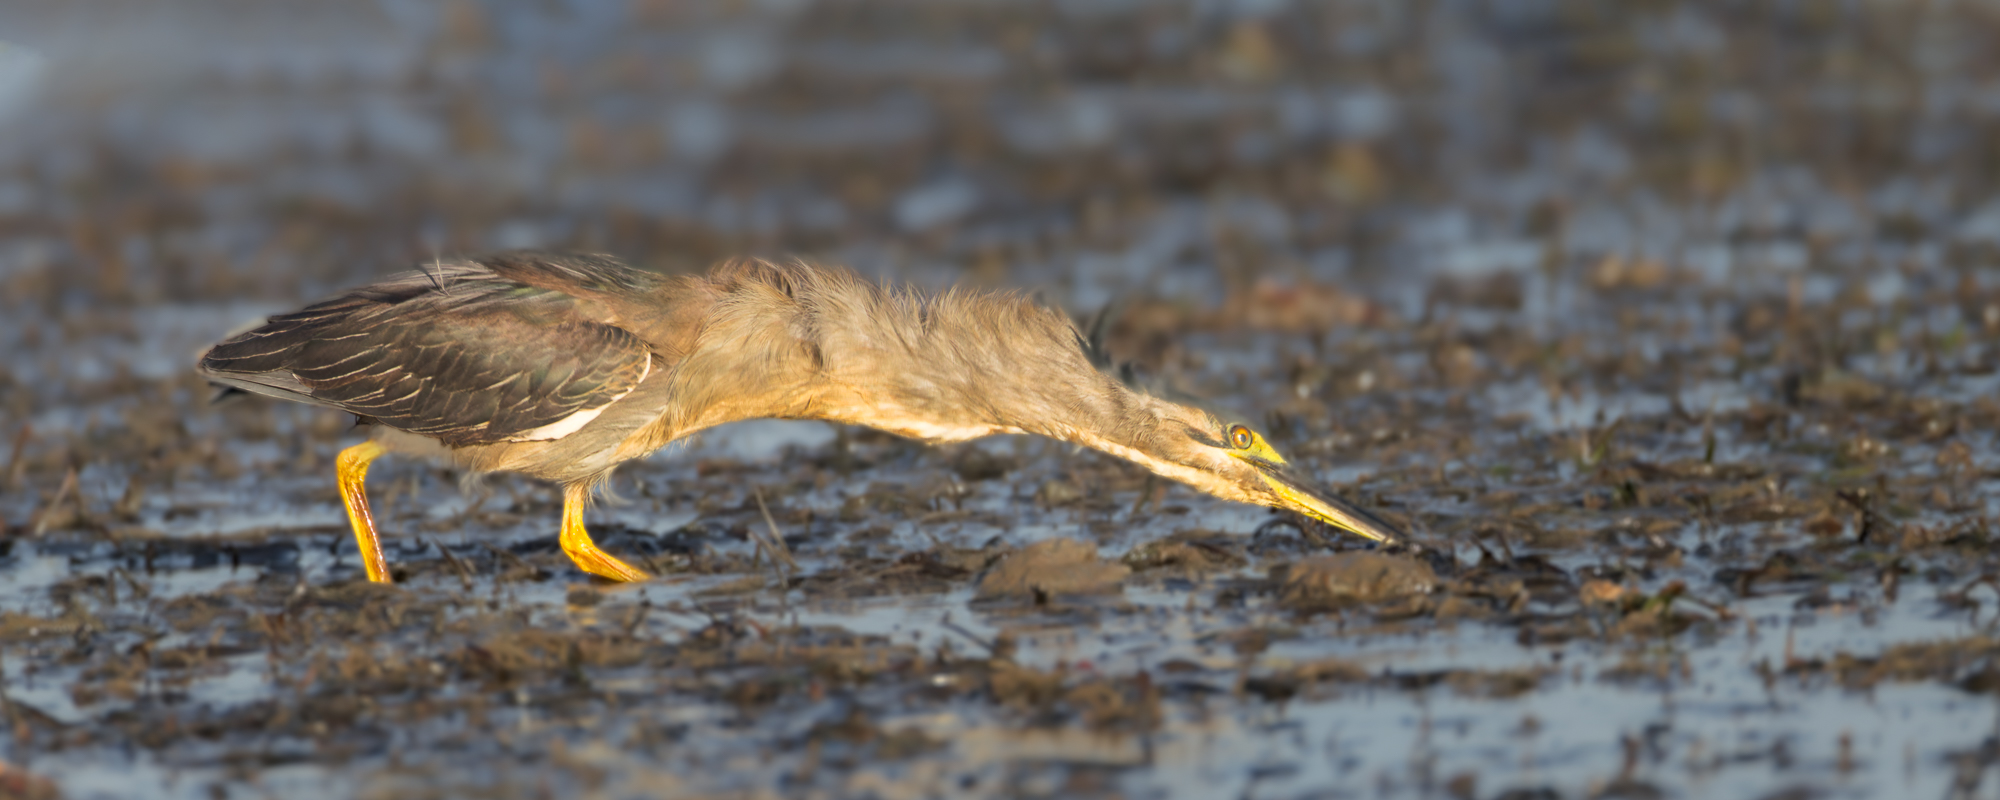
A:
{"points": [[1668, 329]]}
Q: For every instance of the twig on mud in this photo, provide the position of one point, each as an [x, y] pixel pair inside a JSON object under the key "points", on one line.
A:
{"points": [[1000, 648], [457, 565], [637, 617], [1859, 501], [15, 466], [775, 544], [515, 559], [63, 492]]}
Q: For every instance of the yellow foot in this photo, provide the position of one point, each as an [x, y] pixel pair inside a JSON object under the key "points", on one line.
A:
{"points": [[352, 469], [576, 541]]}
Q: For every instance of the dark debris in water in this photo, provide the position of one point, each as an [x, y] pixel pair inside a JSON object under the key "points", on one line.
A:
{"points": [[1667, 330]]}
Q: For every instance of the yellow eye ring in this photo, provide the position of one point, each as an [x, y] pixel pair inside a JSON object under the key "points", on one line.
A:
{"points": [[1241, 437]]}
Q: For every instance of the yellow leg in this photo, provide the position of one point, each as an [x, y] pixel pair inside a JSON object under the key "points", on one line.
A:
{"points": [[352, 467], [576, 541]]}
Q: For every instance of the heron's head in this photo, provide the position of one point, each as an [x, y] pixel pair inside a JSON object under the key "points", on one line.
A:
{"points": [[1230, 460]]}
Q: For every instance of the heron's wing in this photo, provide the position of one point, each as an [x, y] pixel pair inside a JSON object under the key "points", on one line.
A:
{"points": [[461, 353]]}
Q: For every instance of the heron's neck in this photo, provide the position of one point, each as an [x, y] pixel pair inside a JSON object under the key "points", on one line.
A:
{"points": [[961, 366], [941, 406], [1043, 386], [944, 368]]}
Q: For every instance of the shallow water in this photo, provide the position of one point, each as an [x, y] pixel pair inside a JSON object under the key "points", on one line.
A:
{"points": [[1668, 330]]}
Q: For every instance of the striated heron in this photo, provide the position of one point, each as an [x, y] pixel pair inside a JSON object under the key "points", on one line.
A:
{"points": [[562, 367]]}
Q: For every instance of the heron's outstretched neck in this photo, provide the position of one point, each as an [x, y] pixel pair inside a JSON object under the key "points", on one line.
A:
{"points": [[963, 364], [808, 343]]}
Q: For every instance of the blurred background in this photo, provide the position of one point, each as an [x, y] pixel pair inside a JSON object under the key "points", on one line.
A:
{"points": [[1422, 232], [1270, 162], [193, 152]]}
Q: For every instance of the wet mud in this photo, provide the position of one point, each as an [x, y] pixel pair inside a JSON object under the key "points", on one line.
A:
{"points": [[1668, 332]]}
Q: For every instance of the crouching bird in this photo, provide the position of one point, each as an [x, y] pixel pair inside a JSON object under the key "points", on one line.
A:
{"points": [[563, 366]]}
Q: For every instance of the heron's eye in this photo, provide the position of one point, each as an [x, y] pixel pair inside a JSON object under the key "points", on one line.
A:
{"points": [[1241, 437]]}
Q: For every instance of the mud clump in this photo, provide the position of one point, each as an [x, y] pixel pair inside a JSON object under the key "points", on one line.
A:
{"points": [[1353, 578], [20, 784], [1053, 567], [1691, 509], [1187, 553]]}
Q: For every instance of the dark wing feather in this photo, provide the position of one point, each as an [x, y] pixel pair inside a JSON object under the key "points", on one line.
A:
{"points": [[463, 352]]}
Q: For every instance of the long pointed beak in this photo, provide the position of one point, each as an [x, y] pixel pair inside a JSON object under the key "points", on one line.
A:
{"points": [[1297, 496]]}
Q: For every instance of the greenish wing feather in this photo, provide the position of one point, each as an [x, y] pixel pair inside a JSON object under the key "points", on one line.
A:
{"points": [[459, 354]]}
